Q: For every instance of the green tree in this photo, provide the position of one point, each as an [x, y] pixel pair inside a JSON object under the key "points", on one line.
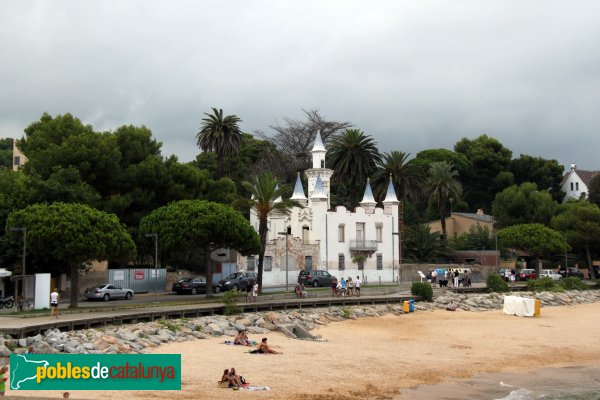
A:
{"points": [[594, 190], [524, 204], [442, 185], [6, 156], [535, 239], [420, 244], [265, 193], [546, 174], [221, 135], [406, 176], [478, 237], [186, 225], [580, 222], [462, 165], [490, 162], [353, 156], [73, 234]]}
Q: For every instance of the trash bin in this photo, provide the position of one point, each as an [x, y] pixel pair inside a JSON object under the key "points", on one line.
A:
{"points": [[537, 308], [406, 307], [411, 305]]}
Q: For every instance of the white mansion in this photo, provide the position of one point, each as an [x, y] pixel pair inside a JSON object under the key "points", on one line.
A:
{"points": [[343, 242]]}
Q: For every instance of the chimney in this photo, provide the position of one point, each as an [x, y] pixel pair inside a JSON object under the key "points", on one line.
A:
{"points": [[573, 167]]}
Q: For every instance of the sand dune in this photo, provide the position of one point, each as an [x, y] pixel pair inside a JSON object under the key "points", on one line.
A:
{"points": [[377, 357]]}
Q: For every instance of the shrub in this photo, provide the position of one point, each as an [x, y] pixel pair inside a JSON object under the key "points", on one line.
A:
{"points": [[230, 301], [172, 326], [544, 284], [422, 289], [573, 283], [495, 283]]}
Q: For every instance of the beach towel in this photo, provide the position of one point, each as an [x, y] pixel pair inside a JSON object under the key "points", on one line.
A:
{"points": [[231, 343], [255, 388]]}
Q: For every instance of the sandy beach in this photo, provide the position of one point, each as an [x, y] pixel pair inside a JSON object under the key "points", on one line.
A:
{"points": [[378, 357]]}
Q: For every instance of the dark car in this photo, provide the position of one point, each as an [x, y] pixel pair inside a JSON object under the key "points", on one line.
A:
{"points": [[315, 278], [193, 286], [526, 274], [238, 281], [571, 272]]}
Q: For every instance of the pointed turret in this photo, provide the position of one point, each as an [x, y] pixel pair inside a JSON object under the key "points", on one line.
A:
{"points": [[319, 191], [368, 202], [390, 204], [277, 200], [298, 194], [318, 152]]}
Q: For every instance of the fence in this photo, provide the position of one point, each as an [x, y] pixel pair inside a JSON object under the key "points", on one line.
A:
{"points": [[141, 280]]}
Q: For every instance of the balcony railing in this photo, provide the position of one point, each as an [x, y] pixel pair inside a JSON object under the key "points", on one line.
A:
{"points": [[363, 245]]}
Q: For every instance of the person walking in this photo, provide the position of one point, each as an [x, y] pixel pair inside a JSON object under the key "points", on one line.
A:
{"points": [[54, 303], [456, 275], [357, 285]]}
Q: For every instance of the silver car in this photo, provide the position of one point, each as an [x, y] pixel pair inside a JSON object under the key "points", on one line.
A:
{"points": [[108, 291]]}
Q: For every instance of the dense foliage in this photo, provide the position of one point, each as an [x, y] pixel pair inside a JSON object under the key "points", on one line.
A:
{"points": [[74, 235], [495, 283], [422, 289]]}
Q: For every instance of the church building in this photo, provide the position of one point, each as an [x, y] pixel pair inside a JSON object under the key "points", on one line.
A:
{"points": [[342, 242]]}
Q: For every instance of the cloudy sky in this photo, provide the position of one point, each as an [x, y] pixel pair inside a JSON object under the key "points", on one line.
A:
{"points": [[413, 74]]}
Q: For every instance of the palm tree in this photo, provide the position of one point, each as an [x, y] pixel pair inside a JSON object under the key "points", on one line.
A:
{"points": [[423, 245], [265, 191], [220, 135], [407, 176], [441, 185], [353, 156]]}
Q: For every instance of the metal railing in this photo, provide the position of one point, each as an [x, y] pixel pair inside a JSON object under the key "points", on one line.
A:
{"points": [[363, 245]]}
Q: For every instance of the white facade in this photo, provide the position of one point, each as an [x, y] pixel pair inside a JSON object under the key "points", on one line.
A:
{"points": [[575, 183], [336, 240]]}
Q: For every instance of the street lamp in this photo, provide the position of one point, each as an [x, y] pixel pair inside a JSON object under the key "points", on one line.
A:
{"points": [[286, 234], [155, 236], [24, 230]]}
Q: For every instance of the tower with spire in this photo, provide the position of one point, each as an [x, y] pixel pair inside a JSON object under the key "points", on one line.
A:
{"points": [[319, 170]]}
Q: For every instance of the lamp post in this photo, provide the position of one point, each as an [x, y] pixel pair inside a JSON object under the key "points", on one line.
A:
{"points": [[286, 234], [155, 236], [24, 230]]}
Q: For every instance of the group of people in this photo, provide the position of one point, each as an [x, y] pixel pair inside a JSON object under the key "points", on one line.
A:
{"points": [[301, 291], [232, 379], [345, 287], [510, 275], [451, 277]]}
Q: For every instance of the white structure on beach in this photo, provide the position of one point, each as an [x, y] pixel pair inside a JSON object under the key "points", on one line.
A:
{"points": [[343, 242]]}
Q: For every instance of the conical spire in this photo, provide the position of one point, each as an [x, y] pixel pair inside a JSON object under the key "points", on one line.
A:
{"points": [[368, 197], [391, 193], [319, 192], [277, 200], [318, 145], [298, 190]]}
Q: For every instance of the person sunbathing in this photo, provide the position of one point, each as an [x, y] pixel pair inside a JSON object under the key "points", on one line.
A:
{"points": [[240, 381], [263, 348], [241, 339]]}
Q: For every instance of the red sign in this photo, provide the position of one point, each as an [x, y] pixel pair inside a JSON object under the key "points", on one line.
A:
{"points": [[139, 275]]}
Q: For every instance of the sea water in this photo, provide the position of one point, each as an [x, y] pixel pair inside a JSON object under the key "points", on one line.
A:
{"points": [[564, 383]]}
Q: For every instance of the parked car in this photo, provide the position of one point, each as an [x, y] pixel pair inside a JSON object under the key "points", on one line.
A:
{"points": [[550, 273], [315, 278], [526, 274], [107, 292], [193, 285], [571, 272], [237, 281]]}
